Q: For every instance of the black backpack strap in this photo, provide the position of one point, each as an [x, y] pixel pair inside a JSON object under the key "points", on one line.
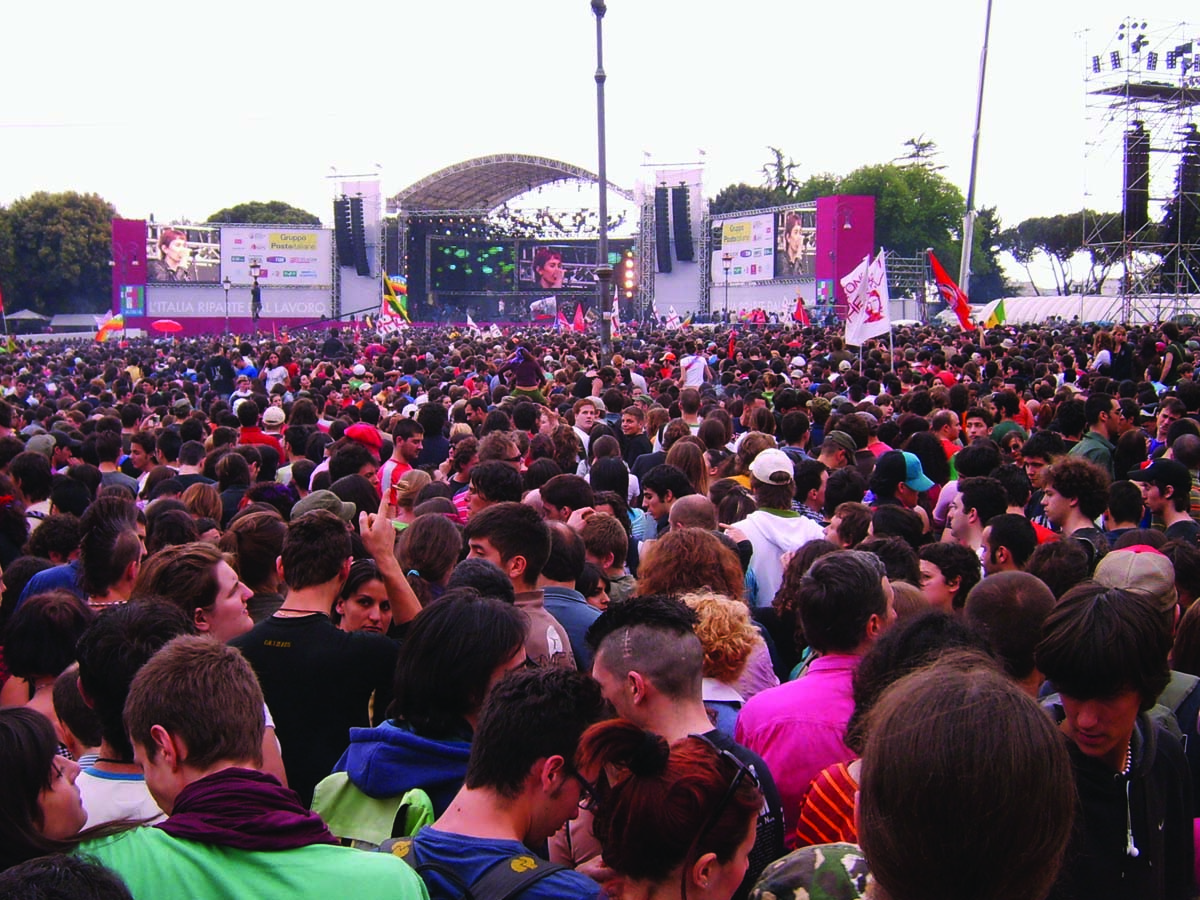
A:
{"points": [[511, 876]]}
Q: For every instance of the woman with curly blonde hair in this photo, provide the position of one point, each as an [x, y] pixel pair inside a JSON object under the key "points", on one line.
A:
{"points": [[728, 637]]}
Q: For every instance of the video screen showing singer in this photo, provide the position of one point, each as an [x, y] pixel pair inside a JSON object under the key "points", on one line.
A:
{"points": [[548, 267]]}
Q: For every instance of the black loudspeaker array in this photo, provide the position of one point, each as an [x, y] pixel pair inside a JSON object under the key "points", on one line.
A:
{"points": [[1136, 195], [684, 251], [341, 232], [1189, 186], [662, 229], [359, 233], [391, 246]]}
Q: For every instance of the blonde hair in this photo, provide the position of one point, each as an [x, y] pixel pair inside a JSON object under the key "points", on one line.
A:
{"points": [[460, 430], [726, 633], [411, 483]]}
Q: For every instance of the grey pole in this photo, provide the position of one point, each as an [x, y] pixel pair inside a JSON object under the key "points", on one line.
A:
{"points": [[603, 271]]}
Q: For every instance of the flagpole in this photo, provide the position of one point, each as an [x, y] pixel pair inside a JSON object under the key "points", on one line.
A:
{"points": [[964, 266]]}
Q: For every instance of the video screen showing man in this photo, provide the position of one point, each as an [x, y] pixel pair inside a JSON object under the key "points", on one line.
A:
{"points": [[795, 246], [178, 262]]}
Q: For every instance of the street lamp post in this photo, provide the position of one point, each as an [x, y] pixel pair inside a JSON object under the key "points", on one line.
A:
{"points": [[227, 284], [255, 294], [726, 263], [604, 272]]}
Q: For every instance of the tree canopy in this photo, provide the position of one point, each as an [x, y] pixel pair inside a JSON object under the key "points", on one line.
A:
{"points": [[55, 251], [273, 212], [916, 208]]}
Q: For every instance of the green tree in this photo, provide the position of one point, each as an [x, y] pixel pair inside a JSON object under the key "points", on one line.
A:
{"points": [[921, 152], [1058, 238], [55, 251], [273, 212], [915, 209], [742, 197]]}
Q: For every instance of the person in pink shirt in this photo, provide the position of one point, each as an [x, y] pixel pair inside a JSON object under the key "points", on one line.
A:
{"points": [[798, 728]]}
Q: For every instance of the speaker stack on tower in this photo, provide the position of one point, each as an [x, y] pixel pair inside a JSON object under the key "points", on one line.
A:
{"points": [[662, 228], [680, 210], [358, 233], [342, 232], [1136, 195]]}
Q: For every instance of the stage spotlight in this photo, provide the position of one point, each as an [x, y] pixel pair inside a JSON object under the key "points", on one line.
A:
{"points": [[1115, 59], [1151, 61], [1096, 64]]}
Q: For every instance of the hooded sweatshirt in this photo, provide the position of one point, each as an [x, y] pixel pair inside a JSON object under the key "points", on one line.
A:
{"points": [[1133, 833], [390, 759], [772, 533]]}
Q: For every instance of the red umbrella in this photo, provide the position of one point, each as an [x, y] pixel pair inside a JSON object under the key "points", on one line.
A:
{"points": [[166, 326]]}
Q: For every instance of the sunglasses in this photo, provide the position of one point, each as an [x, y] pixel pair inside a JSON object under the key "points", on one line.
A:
{"points": [[743, 774]]}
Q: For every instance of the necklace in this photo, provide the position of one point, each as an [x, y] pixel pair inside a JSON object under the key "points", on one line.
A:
{"points": [[303, 612]]}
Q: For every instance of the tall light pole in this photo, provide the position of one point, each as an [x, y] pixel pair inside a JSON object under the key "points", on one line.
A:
{"points": [[255, 294], [726, 262], [227, 284], [604, 272]]}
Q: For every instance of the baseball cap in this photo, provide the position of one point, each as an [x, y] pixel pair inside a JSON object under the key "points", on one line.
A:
{"points": [[898, 467], [1165, 473], [842, 441], [359, 370], [274, 417], [366, 435], [326, 500], [41, 443], [773, 466], [1141, 569]]}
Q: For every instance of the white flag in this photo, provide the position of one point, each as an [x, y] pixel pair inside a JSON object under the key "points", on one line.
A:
{"points": [[867, 301], [471, 323]]}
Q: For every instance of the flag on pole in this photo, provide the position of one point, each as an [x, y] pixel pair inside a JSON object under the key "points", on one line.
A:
{"points": [[578, 324], [867, 299], [687, 320], [952, 294], [561, 324], [108, 326], [471, 326], [672, 318], [994, 314], [395, 297], [615, 325], [732, 344], [801, 314]]}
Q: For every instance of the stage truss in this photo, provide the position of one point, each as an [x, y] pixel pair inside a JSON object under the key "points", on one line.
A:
{"points": [[1142, 86]]}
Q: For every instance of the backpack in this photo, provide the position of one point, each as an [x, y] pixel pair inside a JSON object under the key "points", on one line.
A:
{"points": [[504, 879], [365, 822]]}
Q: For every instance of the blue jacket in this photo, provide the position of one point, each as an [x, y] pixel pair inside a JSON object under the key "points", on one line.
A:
{"points": [[390, 759]]}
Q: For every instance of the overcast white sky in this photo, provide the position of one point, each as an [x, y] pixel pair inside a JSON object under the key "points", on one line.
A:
{"points": [[179, 110]]}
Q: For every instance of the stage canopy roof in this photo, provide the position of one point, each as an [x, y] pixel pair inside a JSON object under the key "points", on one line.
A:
{"points": [[487, 182]]}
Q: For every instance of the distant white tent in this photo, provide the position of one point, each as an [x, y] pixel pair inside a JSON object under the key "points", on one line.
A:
{"points": [[27, 315], [1088, 309]]}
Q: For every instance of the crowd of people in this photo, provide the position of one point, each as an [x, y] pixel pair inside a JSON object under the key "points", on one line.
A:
{"points": [[728, 614]]}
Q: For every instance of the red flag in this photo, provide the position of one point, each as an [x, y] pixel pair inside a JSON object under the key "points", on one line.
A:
{"points": [[952, 294], [801, 314], [732, 344], [1, 301], [578, 325]]}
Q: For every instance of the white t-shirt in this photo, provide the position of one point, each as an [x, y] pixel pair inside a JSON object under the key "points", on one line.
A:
{"points": [[111, 797], [692, 369]]}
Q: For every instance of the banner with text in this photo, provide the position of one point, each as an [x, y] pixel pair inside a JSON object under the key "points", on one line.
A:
{"points": [[751, 243], [287, 257]]}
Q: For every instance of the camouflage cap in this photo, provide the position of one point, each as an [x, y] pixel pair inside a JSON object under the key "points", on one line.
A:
{"points": [[822, 872]]}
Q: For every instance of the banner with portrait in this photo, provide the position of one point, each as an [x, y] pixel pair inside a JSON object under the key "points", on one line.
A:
{"points": [[182, 254], [795, 243]]}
